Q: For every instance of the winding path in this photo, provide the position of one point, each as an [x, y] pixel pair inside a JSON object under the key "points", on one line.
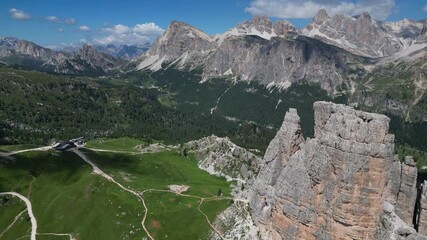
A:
{"points": [[6, 154], [98, 171], [29, 210], [207, 219], [58, 234], [11, 225]]}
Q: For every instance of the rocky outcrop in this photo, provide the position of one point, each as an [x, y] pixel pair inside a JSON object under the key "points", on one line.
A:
{"points": [[345, 183], [220, 156], [235, 223]]}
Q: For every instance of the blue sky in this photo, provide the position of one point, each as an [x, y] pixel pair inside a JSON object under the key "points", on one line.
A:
{"points": [[56, 22]]}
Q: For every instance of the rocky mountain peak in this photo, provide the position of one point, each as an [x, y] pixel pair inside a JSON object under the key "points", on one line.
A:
{"points": [[180, 41], [88, 51], [8, 42], [35, 51], [282, 27], [321, 16], [179, 29], [260, 26], [28, 47], [345, 183], [94, 58], [264, 27], [258, 23], [365, 16], [363, 35], [179, 24]]}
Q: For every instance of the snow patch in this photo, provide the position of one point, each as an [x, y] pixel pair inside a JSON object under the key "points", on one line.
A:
{"points": [[265, 35], [219, 38]]}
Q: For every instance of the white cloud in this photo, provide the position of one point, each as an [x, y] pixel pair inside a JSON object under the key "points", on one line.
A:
{"points": [[84, 28], [53, 19], [70, 21], [121, 34], [425, 8], [379, 9], [117, 29], [19, 14]]}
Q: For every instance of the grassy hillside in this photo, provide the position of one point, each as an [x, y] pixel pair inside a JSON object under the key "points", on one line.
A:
{"points": [[68, 199]]}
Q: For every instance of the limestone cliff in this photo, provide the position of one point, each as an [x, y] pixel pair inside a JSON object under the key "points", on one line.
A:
{"points": [[345, 183]]}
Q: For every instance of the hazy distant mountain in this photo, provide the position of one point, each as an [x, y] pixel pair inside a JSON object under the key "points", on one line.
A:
{"points": [[86, 61], [118, 51], [124, 51]]}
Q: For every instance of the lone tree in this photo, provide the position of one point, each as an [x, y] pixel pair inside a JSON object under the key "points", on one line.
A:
{"points": [[219, 192]]}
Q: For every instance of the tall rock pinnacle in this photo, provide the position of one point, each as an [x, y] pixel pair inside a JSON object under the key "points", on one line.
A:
{"points": [[345, 183]]}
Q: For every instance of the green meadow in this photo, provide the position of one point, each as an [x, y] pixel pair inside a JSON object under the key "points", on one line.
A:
{"points": [[68, 198], [117, 144]]}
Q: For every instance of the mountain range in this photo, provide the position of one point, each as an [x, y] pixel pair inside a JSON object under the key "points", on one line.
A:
{"points": [[86, 61], [330, 51], [357, 56], [331, 173]]}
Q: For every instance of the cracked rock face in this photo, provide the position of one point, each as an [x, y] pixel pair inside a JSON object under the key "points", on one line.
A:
{"points": [[342, 184], [422, 221]]}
